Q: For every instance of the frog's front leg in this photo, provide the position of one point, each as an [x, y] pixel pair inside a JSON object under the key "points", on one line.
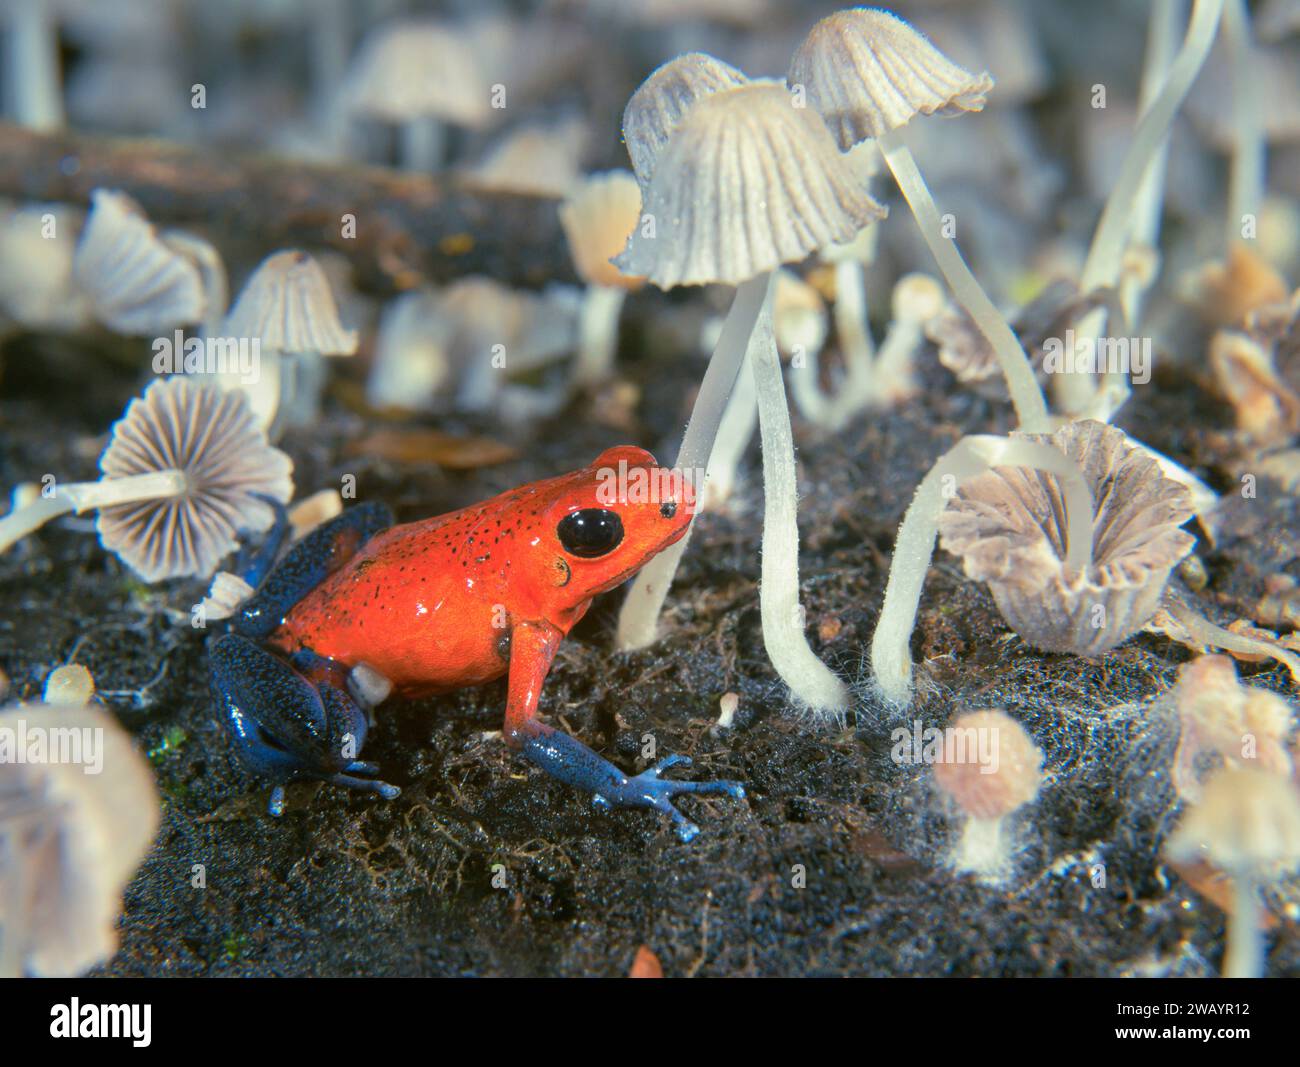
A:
{"points": [[532, 650], [291, 720]]}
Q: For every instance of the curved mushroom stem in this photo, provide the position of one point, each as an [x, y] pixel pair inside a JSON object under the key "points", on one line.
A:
{"points": [[1162, 41], [1076, 392], [811, 682], [805, 385], [1031, 408], [734, 435], [1244, 957], [597, 334], [638, 620], [83, 496], [1246, 177], [891, 660]]}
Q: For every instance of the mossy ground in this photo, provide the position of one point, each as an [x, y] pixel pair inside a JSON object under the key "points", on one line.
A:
{"points": [[347, 885]]}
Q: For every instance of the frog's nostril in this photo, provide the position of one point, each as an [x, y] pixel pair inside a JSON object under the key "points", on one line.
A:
{"points": [[668, 510]]}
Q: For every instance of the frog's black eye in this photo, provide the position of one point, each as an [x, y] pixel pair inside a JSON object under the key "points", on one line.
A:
{"points": [[590, 532]]}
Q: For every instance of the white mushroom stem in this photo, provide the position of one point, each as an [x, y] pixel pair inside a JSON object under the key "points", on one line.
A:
{"points": [[1244, 957], [1246, 176], [598, 334], [891, 661], [734, 434], [811, 682], [423, 144], [34, 91], [917, 298], [83, 496], [1162, 42], [638, 620], [1076, 392], [851, 324], [981, 849], [1031, 408], [805, 385]]}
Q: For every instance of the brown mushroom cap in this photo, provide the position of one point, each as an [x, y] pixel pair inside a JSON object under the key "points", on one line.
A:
{"points": [[1017, 764], [598, 218], [867, 72]]}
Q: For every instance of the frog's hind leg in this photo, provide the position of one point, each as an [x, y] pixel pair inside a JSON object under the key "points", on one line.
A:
{"points": [[305, 565], [291, 720]]}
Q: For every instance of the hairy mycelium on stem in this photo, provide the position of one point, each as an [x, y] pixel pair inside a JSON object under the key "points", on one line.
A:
{"points": [[70, 841], [598, 218], [1247, 824], [990, 767], [745, 182], [891, 662], [1079, 393], [288, 307], [868, 73]]}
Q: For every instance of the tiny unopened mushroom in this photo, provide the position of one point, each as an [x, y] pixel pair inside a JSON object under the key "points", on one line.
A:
{"points": [[72, 832], [869, 73], [136, 283], [71, 684], [1247, 824], [288, 307], [598, 218], [745, 182], [1218, 715], [1267, 409], [422, 75], [1009, 528], [226, 465], [990, 768], [917, 298]]}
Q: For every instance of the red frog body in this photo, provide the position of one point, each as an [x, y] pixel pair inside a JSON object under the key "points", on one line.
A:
{"points": [[359, 610]]}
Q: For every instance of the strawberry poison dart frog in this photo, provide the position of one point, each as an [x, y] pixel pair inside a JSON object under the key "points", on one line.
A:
{"points": [[360, 609]]}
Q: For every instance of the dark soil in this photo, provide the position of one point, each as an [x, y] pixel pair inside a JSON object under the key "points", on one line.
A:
{"points": [[834, 863]]}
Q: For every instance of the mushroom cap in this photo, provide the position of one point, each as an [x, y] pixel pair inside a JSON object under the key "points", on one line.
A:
{"points": [[412, 68], [1009, 524], [213, 437], [747, 182], [136, 283], [660, 102], [534, 160], [1247, 821], [799, 315], [70, 684], [289, 306], [598, 218], [868, 72], [1017, 764], [77, 837]]}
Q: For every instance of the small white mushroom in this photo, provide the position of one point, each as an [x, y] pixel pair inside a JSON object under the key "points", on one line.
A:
{"points": [[1247, 824], [287, 306], [598, 218], [72, 684], [136, 283], [73, 828]]}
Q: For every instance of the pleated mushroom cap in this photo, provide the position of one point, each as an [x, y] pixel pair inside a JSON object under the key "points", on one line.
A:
{"points": [[658, 105], [289, 305], [213, 437], [410, 69], [598, 218], [136, 283], [747, 182], [867, 72]]}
